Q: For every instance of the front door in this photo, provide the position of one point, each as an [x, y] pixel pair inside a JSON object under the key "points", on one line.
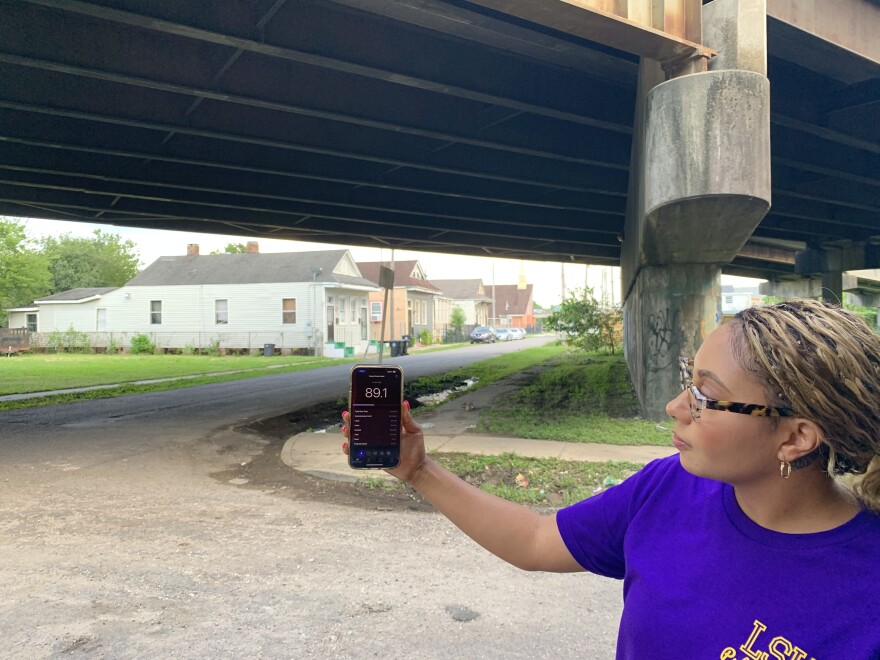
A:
{"points": [[331, 322]]}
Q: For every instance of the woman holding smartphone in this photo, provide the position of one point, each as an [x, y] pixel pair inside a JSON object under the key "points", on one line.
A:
{"points": [[745, 544]]}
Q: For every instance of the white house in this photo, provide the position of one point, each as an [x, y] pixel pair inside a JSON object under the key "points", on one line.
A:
{"points": [[735, 299], [313, 302]]}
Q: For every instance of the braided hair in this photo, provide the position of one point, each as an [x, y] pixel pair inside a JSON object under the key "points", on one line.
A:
{"points": [[823, 362]]}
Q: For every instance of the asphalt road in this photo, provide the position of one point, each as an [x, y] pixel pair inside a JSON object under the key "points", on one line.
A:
{"points": [[119, 540]]}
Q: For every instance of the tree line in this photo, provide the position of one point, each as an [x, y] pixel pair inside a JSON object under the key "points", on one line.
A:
{"points": [[31, 269]]}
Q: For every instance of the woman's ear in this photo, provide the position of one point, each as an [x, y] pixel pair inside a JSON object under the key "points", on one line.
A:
{"points": [[803, 437]]}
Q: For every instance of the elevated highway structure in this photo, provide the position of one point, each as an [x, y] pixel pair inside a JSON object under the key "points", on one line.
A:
{"points": [[678, 139]]}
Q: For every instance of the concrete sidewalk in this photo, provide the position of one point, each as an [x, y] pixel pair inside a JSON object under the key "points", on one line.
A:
{"points": [[320, 454], [449, 428]]}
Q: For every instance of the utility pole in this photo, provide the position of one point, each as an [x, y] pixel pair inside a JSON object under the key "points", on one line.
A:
{"points": [[315, 270], [392, 298], [494, 322], [562, 274]]}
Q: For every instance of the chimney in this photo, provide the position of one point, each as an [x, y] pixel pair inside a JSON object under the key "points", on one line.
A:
{"points": [[253, 247], [192, 250]]}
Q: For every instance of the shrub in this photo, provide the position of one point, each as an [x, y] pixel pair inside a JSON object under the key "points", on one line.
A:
{"points": [[189, 349], [213, 347], [142, 344], [588, 325], [425, 337]]}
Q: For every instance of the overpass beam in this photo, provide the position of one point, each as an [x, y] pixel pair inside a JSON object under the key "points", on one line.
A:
{"points": [[699, 185], [810, 287], [831, 263]]}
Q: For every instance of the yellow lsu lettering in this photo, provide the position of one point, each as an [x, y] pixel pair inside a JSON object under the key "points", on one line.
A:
{"points": [[779, 648]]}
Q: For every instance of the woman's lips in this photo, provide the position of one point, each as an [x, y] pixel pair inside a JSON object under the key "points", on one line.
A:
{"points": [[679, 443]]}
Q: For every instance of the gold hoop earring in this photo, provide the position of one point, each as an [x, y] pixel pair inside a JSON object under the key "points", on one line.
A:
{"points": [[784, 469]]}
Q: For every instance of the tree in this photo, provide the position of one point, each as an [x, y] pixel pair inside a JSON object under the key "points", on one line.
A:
{"points": [[101, 260], [588, 325], [456, 322], [24, 272], [232, 248]]}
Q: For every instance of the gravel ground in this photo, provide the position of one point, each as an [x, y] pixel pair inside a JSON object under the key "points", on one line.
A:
{"points": [[210, 547]]}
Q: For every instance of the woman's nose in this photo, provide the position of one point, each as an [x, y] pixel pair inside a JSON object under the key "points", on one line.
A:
{"points": [[678, 407]]}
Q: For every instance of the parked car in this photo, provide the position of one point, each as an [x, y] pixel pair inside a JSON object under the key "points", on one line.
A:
{"points": [[484, 334], [518, 333], [504, 334]]}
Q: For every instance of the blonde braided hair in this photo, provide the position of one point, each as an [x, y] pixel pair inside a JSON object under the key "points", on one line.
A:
{"points": [[824, 363]]}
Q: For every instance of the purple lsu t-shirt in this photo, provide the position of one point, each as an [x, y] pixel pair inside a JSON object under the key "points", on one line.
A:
{"points": [[702, 580]]}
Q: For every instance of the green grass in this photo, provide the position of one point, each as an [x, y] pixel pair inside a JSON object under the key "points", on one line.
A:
{"points": [[487, 371], [533, 481], [93, 373], [41, 372], [576, 398]]}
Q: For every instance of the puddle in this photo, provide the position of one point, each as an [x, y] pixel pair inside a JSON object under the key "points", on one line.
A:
{"points": [[440, 397]]}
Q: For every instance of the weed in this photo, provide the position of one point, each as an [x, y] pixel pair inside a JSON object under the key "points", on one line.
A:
{"points": [[537, 481], [69, 341], [377, 483]]}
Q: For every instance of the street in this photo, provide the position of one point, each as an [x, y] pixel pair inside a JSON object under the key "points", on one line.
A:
{"points": [[121, 538]]}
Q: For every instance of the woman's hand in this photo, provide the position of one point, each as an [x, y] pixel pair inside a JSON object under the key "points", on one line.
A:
{"points": [[513, 532], [412, 444]]}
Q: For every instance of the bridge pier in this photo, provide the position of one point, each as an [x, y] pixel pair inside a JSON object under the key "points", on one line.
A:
{"points": [[699, 185]]}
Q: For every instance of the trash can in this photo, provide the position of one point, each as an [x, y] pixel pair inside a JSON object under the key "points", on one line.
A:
{"points": [[268, 350], [404, 344], [394, 347]]}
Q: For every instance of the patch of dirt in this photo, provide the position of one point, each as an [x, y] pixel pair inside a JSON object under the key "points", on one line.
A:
{"points": [[267, 472]]}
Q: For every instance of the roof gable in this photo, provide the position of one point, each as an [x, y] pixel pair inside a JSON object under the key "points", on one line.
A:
{"points": [[510, 300], [407, 274], [462, 289]]}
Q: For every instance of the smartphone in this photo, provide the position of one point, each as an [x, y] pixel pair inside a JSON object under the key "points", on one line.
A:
{"points": [[374, 399]]}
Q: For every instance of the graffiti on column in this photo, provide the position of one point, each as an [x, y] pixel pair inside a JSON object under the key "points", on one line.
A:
{"points": [[663, 339]]}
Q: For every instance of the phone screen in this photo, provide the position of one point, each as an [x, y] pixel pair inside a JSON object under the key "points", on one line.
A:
{"points": [[375, 397]]}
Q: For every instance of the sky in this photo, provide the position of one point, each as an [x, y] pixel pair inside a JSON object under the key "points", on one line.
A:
{"points": [[546, 277]]}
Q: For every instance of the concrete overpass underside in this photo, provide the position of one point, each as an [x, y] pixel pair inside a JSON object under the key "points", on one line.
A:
{"points": [[494, 127]]}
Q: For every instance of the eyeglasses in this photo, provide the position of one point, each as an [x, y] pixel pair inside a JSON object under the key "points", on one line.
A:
{"points": [[699, 401]]}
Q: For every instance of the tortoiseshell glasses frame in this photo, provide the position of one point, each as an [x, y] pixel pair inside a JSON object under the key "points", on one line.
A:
{"points": [[699, 401]]}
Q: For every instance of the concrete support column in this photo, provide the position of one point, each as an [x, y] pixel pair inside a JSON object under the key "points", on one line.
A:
{"points": [[699, 185], [669, 313], [832, 287]]}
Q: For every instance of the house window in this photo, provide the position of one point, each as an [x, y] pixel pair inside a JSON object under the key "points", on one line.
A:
{"points": [[221, 312], [288, 310], [353, 312], [32, 322], [342, 304], [375, 311], [424, 305], [101, 320], [155, 312]]}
